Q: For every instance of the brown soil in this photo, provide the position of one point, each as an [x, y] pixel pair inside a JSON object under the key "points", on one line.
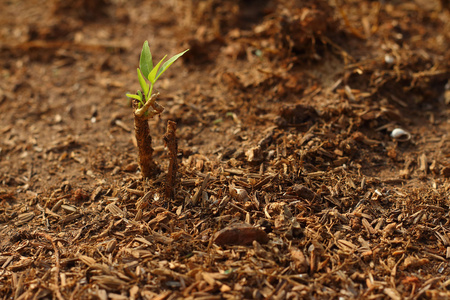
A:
{"points": [[289, 184]]}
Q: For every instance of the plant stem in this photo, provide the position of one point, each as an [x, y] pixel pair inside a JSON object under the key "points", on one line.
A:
{"points": [[144, 143], [149, 92]]}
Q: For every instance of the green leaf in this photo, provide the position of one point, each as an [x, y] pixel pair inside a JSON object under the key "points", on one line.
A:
{"points": [[152, 74], [142, 82], [168, 63], [146, 61], [133, 96], [137, 96]]}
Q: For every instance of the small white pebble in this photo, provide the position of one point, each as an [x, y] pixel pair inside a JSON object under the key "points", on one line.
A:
{"points": [[389, 59], [400, 135]]}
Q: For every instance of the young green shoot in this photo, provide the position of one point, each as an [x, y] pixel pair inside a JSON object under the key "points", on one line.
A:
{"points": [[148, 72], [142, 101]]}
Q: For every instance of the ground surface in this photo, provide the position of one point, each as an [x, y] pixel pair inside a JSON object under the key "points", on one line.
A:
{"points": [[284, 112]]}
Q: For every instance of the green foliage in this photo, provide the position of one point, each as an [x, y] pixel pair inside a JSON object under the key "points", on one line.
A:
{"points": [[145, 61], [147, 71], [142, 82], [152, 75], [168, 63]]}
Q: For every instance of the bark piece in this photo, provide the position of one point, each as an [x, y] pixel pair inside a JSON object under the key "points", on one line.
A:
{"points": [[240, 234]]}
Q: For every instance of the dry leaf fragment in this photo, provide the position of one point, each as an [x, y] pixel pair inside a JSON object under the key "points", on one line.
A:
{"points": [[346, 245], [57, 205], [143, 241], [368, 227], [69, 208], [115, 210], [240, 234], [25, 218], [70, 218], [111, 245], [87, 260], [109, 282]]}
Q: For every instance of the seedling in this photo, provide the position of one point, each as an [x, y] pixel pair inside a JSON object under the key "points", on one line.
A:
{"points": [[146, 107]]}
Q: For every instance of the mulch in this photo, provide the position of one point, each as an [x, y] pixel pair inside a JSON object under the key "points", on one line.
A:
{"points": [[289, 183]]}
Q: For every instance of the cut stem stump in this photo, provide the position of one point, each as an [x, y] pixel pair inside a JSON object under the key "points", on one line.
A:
{"points": [[170, 140], [144, 143]]}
